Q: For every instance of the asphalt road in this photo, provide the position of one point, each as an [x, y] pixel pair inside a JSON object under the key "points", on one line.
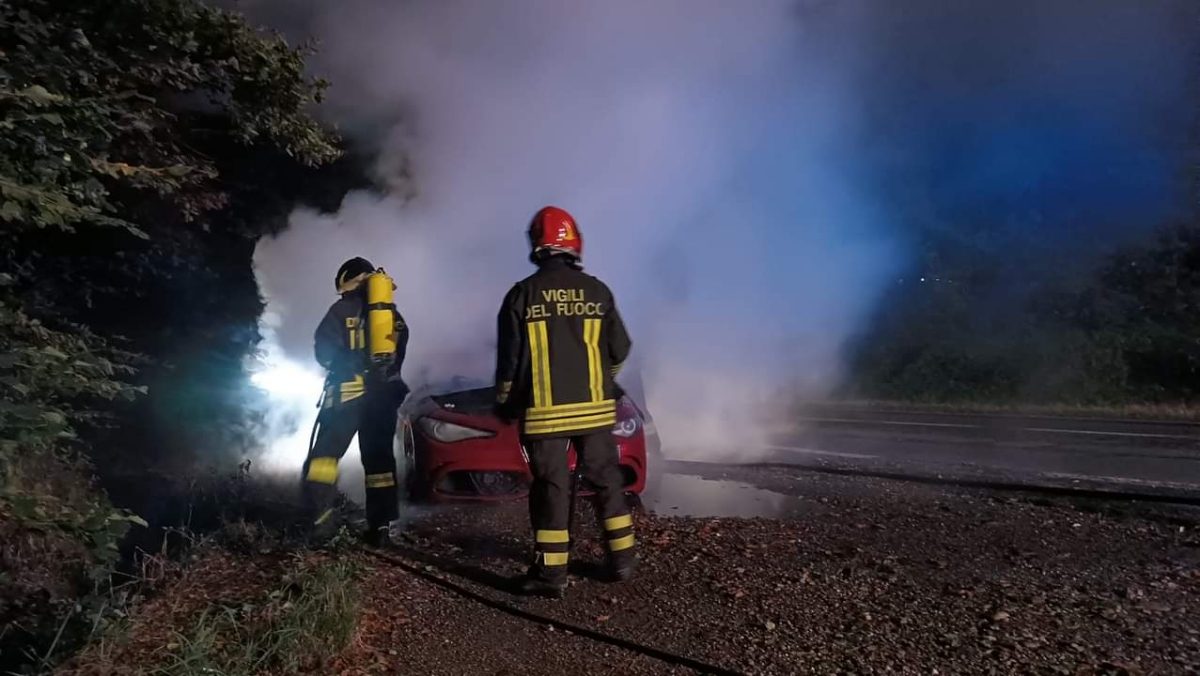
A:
{"points": [[1045, 449]]}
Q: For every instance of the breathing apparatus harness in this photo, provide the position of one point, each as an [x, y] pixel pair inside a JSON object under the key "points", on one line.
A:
{"points": [[379, 326]]}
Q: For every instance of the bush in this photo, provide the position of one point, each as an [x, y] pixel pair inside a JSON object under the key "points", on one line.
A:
{"points": [[1126, 333], [144, 147]]}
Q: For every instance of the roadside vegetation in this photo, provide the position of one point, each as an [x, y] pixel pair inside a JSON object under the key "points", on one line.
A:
{"points": [[298, 621], [145, 145], [979, 328]]}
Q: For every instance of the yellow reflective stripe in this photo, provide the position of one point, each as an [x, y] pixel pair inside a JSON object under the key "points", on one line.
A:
{"points": [[324, 517], [357, 338], [554, 558], [620, 543], [568, 410], [549, 380], [535, 363], [323, 470], [591, 337], [352, 389], [552, 536], [539, 348], [571, 424], [351, 386], [616, 368], [381, 480], [618, 522], [575, 423]]}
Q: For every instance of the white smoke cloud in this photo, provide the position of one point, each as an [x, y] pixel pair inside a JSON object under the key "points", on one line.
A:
{"points": [[697, 142], [721, 158]]}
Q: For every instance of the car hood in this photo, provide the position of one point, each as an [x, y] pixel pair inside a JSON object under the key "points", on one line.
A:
{"points": [[481, 400], [468, 402]]}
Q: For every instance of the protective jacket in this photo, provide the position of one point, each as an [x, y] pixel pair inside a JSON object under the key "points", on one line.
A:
{"points": [[561, 343], [341, 348]]}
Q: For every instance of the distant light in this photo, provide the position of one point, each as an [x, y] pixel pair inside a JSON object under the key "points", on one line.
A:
{"points": [[287, 379], [922, 279]]}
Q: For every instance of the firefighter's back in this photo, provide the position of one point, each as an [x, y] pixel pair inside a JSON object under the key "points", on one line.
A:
{"points": [[570, 380]]}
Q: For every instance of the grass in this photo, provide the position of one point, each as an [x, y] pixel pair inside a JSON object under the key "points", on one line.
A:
{"points": [[301, 625], [65, 593], [58, 562], [1177, 412]]}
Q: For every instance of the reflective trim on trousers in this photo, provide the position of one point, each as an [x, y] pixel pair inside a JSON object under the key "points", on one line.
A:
{"points": [[323, 470]]}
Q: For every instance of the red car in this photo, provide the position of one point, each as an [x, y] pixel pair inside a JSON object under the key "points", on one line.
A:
{"points": [[455, 449]]}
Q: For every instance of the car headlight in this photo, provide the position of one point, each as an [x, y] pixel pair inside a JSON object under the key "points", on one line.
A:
{"points": [[626, 428], [448, 432]]}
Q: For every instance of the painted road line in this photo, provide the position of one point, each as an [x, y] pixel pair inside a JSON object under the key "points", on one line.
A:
{"points": [[1100, 433], [860, 421], [994, 415], [1122, 480], [1050, 430], [814, 451]]}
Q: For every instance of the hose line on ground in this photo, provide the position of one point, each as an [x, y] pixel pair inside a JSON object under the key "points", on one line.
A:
{"points": [[508, 609]]}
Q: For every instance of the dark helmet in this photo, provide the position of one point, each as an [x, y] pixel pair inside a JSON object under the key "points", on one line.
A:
{"points": [[351, 274]]}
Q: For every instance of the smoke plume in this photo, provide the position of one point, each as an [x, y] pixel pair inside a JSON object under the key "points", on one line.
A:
{"points": [[732, 166]]}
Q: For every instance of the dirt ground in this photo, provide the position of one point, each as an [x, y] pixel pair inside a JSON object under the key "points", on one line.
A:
{"points": [[862, 577]]}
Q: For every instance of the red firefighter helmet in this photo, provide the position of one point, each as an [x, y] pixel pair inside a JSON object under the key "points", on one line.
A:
{"points": [[553, 231]]}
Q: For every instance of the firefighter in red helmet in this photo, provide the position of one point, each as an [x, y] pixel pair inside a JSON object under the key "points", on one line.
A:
{"points": [[361, 343], [561, 344]]}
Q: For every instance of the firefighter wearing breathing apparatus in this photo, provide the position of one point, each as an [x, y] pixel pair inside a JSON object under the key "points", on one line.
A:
{"points": [[561, 344], [361, 344]]}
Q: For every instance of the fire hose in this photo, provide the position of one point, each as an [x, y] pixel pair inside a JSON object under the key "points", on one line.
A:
{"points": [[312, 437], [529, 616]]}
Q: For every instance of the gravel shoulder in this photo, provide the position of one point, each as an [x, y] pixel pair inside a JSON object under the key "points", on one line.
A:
{"points": [[859, 576], [871, 576], [411, 626]]}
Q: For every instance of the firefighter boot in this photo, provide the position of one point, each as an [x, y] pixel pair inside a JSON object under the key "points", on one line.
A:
{"points": [[322, 529], [379, 537], [622, 565], [536, 582]]}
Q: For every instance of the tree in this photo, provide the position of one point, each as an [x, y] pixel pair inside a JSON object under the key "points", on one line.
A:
{"points": [[145, 145]]}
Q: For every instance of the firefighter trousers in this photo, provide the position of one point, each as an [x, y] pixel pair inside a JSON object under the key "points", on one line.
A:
{"points": [[550, 496], [373, 419]]}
